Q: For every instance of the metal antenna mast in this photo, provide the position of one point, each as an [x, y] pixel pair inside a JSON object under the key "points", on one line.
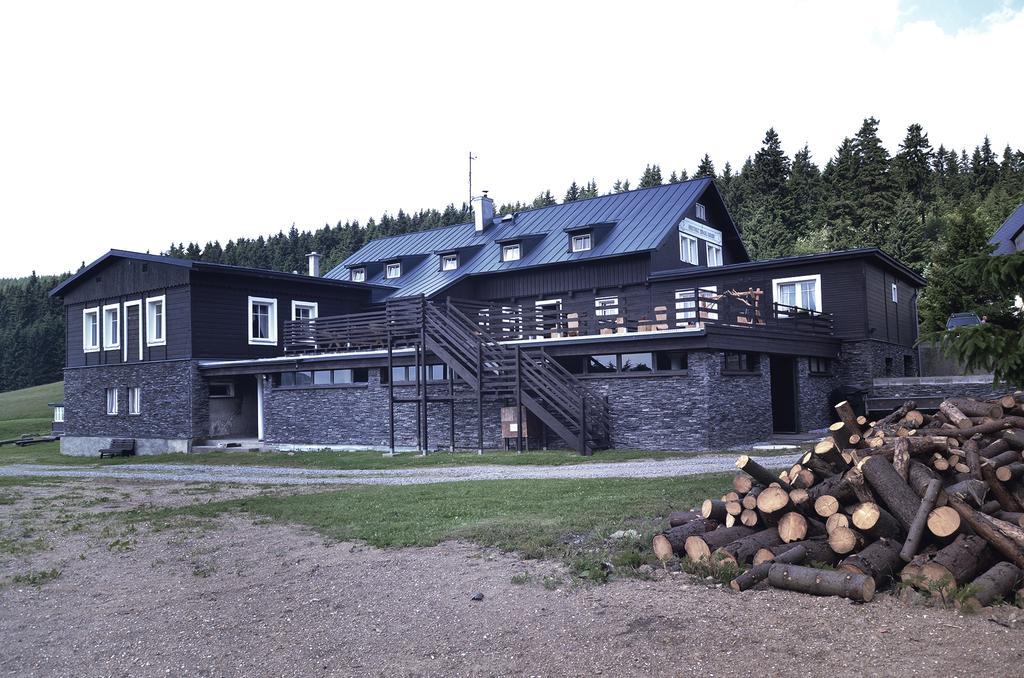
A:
{"points": [[471, 159]]}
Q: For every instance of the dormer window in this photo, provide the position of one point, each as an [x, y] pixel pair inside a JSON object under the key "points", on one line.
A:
{"points": [[393, 270], [358, 275], [700, 212], [449, 262], [582, 242], [511, 251]]}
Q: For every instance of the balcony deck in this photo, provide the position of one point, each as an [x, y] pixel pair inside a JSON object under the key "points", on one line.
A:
{"points": [[374, 330]]}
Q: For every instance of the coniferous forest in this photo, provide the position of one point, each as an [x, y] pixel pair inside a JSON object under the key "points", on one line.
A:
{"points": [[929, 206]]}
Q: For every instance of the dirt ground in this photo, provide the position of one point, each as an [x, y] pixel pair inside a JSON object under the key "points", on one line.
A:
{"points": [[238, 597]]}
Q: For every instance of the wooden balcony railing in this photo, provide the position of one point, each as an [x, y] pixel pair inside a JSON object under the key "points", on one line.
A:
{"points": [[370, 330]]}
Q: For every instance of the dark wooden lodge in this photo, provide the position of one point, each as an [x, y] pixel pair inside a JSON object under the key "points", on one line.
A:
{"points": [[630, 320]]}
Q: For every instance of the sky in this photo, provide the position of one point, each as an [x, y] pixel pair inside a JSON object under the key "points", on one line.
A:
{"points": [[134, 125]]}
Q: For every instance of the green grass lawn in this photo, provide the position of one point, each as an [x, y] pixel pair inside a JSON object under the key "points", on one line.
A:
{"points": [[30, 404], [565, 519]]}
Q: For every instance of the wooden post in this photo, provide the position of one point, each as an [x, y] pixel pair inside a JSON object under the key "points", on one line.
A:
{"points": [[451, 408], [480, 395], [519, 400], [391, 385]]}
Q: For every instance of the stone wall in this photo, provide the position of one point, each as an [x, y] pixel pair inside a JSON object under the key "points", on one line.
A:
{"points": [[817, 396], [863, 361], [174, 407], [975, 386], [699, 410]]}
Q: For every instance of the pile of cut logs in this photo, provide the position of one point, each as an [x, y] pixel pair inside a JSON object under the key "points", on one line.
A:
{"points": [[935, 501]]}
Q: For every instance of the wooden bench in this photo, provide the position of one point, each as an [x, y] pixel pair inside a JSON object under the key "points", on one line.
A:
{"points": [[119, 447]]}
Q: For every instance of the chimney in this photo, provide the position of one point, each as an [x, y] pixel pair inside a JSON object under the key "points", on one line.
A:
{"points": [[483, 212], [314, 264]]}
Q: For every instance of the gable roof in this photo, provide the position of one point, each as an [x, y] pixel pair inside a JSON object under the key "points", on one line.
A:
{"points": [[631, 222], [198, 266], [1004, 235]]}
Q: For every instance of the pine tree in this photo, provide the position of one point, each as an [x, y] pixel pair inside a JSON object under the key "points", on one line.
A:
{"points": [[544, 199], [806, 193], [651, 177], [620, 186], [573, 194], [673, 178], [590, 190], [706, 168], [873, 189], [912, 166], [984, 167], [771, 169], [906, 240]]}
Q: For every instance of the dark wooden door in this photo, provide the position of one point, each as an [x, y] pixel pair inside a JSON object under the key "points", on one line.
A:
{"points": [[785, 395], [131, 329]]}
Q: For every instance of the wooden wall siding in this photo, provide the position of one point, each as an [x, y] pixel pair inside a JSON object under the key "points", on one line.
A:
{"points": [[666, 257], [178, 335], [888, 321], [220, 311], [552, 282], [126, 277]]}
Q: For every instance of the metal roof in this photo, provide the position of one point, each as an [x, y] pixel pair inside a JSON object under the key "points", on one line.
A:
{"points": [[632, 222], [1004, 235], [200, 266]]}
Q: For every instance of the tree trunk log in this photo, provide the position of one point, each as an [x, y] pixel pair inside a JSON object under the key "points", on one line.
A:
{"points": [[818, 551], [749, 500], [1015, 438], [849, 418], [987, 527], [955, 416], [879, 561], [758, 573], [742, 483], [1014, 471], [742, 550], [713, 509], [822, 582], [997, 446], [901, 457], [749, 518], [795, 527], [976, 408], [826, 506], [677, 518], [894, 492], [919, 477], [994, 585], [699, 547], [1012, 518], [970, 490], [916, 531], [836, 520], [845, 540], [673, 541], [999, 493], [759, 473], [836, 485], [957, 564], [876, 522], [1008, 457], [773, 500]]}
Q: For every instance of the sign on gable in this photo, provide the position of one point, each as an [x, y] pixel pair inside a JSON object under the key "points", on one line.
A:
{"points": [[698, 230]]}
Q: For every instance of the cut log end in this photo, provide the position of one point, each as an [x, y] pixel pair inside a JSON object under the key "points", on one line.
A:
{"points": [[943, 521]]}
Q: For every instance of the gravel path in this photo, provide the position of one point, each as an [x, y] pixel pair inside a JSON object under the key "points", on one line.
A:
{"points": [[643, 468]]}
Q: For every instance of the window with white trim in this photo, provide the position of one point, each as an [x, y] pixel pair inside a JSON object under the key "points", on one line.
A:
{"points": [[393, 270], [111, 401], [581, 242], [112, 326], [134, 400], [449, 262], [156, 321], [305, 310], [714, 254], [686, 304], [91, 329], [510, 252], [262, 321], [699, 211], [606, 306], [895, 294], [357, 275], [801, 292], [58, 415], [688, 249]]}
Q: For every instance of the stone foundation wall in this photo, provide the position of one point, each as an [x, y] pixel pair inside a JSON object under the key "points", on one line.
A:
{"points": [[174, 407], [863, 361], [977, 386], [817, 393]]}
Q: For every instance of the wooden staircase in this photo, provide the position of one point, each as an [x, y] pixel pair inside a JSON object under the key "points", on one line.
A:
{"points": [[495, 372]]}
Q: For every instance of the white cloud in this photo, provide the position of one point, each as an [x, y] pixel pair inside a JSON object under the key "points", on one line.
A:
{"points": [[131, 125]]}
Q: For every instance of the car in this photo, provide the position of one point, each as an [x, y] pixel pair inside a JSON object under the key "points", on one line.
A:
{"points": [[962, 320]]}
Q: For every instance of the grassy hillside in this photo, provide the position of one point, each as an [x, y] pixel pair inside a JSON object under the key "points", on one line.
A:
{"points": [[26, 411]]}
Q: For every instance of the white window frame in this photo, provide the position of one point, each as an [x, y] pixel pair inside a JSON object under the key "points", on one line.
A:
{"points": [[272, 322], [397, 266], [895, 294], [58, 415], [606, 306], [700, 211], [538, 305], [92, 347], [714, 253], [688, 245], [777, 295], [447, 259], [111, 343], [686, 302], [357, 275], [150, 339], [508, 248], [112, 396], [134, 401], [582, 242], [313, 306]]}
